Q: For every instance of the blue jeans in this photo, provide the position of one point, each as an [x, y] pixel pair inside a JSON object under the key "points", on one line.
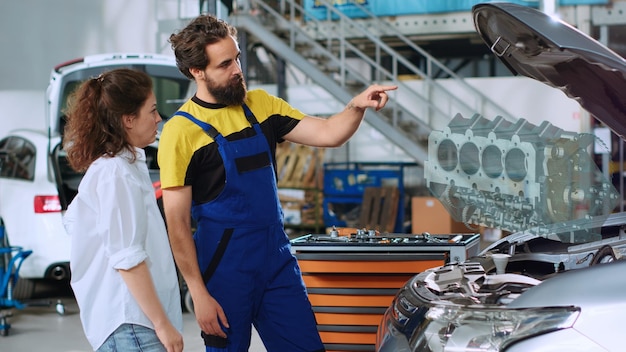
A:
{"points": [[132, 337]]}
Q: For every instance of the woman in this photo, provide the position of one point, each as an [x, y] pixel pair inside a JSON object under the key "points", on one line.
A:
{"points": [[123, 273]]}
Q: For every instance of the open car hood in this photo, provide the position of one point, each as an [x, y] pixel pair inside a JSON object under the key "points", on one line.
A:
{"points": [[518, 176], [535, 45]]}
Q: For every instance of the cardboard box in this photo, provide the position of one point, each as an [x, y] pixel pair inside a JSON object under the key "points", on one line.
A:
{"points": [[429, 215]]}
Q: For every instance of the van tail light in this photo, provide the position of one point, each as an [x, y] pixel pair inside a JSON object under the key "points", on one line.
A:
{"points": [[157, 189], [47, 204]]}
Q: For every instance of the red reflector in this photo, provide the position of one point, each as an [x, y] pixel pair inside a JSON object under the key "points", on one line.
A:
{"points": [[157, 189], [47, 204]]}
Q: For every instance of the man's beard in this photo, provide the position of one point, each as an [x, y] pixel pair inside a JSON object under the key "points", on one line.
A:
{"points": [[233, 93]]}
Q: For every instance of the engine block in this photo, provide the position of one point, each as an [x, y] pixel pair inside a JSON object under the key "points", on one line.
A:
{"points": [[515, 175]]}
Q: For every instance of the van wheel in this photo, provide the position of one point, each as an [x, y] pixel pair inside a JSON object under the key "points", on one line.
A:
{"points": [[185, 296], [24, 289]]}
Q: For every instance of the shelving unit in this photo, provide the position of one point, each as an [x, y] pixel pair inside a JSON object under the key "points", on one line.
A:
{"points": [[302, 208], [299, 187], [345, 185]]}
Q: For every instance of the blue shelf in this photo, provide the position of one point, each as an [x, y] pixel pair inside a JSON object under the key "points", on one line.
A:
{"points": [[345, 183]]}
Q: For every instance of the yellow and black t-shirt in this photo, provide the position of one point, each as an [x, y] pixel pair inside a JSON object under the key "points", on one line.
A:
{"points": [[189, 157]]}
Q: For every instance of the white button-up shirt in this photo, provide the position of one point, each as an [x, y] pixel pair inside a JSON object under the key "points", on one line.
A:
{"points": [[115, 223]]}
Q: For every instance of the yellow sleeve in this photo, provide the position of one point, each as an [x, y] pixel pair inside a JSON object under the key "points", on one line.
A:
{"points": [[174, 153], [264, 105]]}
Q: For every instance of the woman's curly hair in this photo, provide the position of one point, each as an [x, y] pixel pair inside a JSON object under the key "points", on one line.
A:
{"points": [[94, 112]]}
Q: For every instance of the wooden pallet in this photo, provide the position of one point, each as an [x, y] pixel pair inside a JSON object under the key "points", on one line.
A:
{"points": [[298, 165], [379, 208]]}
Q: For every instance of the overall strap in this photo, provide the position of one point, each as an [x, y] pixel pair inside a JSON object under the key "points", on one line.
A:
{"points": [[249, 115], [251, 119], [210, 130]]}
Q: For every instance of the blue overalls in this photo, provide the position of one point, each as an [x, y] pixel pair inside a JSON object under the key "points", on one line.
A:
{"points": [[245, 255]]}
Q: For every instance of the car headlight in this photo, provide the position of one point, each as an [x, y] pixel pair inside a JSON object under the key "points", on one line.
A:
{"points": [[452, 328], [403, 309]]}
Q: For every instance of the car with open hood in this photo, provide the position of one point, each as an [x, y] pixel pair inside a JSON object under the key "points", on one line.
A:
{"points": [[557, 282], [36, 182]]}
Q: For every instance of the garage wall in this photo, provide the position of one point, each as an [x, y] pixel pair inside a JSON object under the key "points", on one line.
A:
{"points": [[35, 35]]}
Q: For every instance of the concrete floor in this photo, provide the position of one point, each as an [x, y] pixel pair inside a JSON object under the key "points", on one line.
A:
{"points": [[41, 328]]}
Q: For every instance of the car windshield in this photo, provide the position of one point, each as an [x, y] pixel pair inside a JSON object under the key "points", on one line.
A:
{"points": [[517, 176]]}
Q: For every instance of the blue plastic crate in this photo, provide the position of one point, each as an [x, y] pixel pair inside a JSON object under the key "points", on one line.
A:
{"points": [[319, 11], [583, 2], [414, 7], [399, 7]]}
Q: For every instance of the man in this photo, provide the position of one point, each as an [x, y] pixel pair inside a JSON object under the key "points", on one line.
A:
{"points": [[217, 159]]}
